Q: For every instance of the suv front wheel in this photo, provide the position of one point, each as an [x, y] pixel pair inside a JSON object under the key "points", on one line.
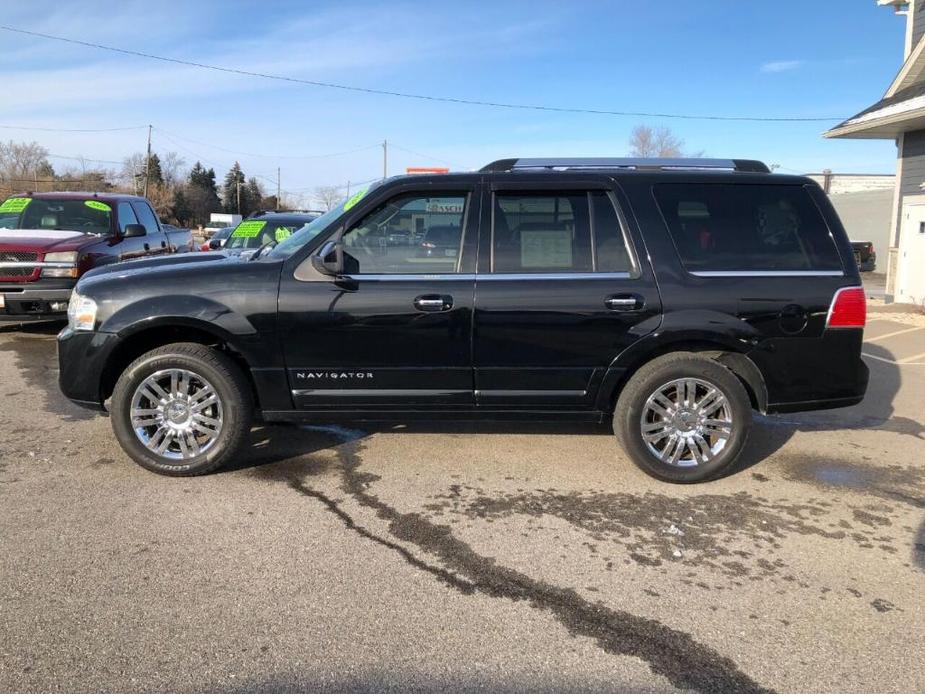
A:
{"points": [[182, 409], [683, 418]]}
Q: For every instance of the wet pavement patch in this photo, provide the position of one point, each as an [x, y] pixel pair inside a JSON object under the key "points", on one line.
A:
{"points": [[670, 653], [905, 485]]}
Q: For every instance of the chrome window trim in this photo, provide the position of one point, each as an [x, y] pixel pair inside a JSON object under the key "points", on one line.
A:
{"points": [[768, 273], [493, 277], [556, 276]]}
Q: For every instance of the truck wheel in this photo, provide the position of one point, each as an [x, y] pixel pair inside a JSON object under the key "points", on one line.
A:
{"points": [[683, 418], [182, 409]]}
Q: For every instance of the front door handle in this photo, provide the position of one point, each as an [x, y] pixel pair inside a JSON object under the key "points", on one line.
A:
{"points": [[433, 302], [147, 247], [624, 302]]}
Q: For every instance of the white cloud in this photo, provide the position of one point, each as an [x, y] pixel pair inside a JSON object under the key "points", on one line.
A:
{"points": [[782, 65]]}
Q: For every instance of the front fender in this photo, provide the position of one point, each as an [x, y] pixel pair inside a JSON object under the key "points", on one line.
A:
{"points": [[179, 309]]}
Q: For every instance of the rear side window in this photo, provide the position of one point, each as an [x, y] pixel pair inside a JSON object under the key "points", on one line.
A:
{"points": [[736, 227], [557, 232], [146, 217]]}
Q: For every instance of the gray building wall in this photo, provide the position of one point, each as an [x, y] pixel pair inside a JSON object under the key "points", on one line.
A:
{"points": [[866, 217], [913, 156]]}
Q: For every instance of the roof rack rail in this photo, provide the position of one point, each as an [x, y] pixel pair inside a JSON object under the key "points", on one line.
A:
{"points": [[636, 164]]}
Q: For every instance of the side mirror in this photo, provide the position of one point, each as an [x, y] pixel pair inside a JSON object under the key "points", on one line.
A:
{"points": [[215, 244], [330, 259], [134, 231]]}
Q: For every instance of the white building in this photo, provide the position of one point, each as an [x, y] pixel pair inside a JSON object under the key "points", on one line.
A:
{"points": [[900, 116]]}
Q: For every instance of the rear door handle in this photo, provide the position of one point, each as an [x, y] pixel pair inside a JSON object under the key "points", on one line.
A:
{"points": [[624, 302], [433, 302], [147, 247]]}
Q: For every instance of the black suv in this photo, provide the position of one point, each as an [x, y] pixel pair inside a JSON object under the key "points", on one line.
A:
{"points": [[675, 296]]}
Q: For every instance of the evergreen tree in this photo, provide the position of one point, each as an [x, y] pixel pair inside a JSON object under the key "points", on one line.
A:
{"points": [[201, 195], [181, 208], [202, 177], [254, 195], [234, 180], [155, 175]]}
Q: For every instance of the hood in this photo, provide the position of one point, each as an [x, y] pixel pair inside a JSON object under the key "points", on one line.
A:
{"points": [[152, 265], [44, 240]]}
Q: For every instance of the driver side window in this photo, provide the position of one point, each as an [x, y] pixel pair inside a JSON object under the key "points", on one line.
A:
{"points": [[126, 216], [410, 234]]}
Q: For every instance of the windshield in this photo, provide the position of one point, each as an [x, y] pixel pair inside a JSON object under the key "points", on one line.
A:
{"points": [[254, 233], [287, 247], [91, 216]]}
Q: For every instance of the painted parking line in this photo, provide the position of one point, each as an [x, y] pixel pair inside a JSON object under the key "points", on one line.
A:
{"points": [[903, 362], [913, 359], [893, 334]]}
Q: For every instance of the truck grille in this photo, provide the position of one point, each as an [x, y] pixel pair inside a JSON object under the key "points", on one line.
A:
{"points": [[17, 257]]}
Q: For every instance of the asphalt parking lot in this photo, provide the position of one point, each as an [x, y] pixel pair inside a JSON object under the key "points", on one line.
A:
{"points": [[463, 558]]}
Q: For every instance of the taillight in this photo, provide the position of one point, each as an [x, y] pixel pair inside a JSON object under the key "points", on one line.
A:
{"points": [[848, 309]]}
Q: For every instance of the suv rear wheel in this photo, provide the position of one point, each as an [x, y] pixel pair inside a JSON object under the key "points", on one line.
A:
{"points": [[683, 418], [181, 410]]}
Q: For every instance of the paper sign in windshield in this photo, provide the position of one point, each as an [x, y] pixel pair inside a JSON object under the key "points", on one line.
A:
{"points": [[283, 233], [354, 199], [248, 229], [546, 249], [97, 205], [15, 204]]}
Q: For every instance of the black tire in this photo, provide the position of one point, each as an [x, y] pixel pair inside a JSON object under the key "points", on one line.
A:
{"points": [[230, 385], [649, 379]]}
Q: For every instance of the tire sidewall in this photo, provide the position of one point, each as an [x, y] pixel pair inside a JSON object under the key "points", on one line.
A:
{"points": [[629, 412], [233, 413]]}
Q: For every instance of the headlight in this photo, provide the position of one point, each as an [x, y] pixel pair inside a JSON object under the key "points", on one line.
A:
{"points": [[81, 312], [63, 257]]}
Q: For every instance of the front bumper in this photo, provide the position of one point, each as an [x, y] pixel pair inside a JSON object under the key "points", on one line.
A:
{"points": [[40, 300], [82, 359]]}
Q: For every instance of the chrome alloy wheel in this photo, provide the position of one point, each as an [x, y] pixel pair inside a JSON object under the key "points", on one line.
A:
{"points": [[176, 414], [686, 422]]}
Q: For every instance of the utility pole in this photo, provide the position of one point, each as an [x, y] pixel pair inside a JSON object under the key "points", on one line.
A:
{"points": [[148, 162], [278, 192], [385, 159], [348, 189]]}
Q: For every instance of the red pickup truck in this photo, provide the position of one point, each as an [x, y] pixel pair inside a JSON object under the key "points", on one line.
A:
{"points": [[48, 240]]}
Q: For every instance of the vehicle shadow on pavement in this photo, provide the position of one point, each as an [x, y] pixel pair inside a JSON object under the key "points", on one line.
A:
{"points": [[271, 444]]}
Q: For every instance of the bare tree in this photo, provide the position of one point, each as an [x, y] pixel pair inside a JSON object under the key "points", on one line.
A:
{"points": [[661, 142], [22, 162], [329, 197], [133, 170], [171, 166]]}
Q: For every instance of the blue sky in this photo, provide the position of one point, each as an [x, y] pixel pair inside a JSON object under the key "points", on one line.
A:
{"points": [[787, 58]]}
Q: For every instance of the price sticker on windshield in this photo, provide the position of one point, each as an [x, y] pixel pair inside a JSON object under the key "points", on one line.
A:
{"points": [[15, 204], [248, 229], [354, 199], [283, 233], [97, 205]]}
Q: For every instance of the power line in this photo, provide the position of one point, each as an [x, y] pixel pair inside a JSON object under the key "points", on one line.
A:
{"points": [[95, 161], [71, 130], [408, 95], [268, 156]]}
